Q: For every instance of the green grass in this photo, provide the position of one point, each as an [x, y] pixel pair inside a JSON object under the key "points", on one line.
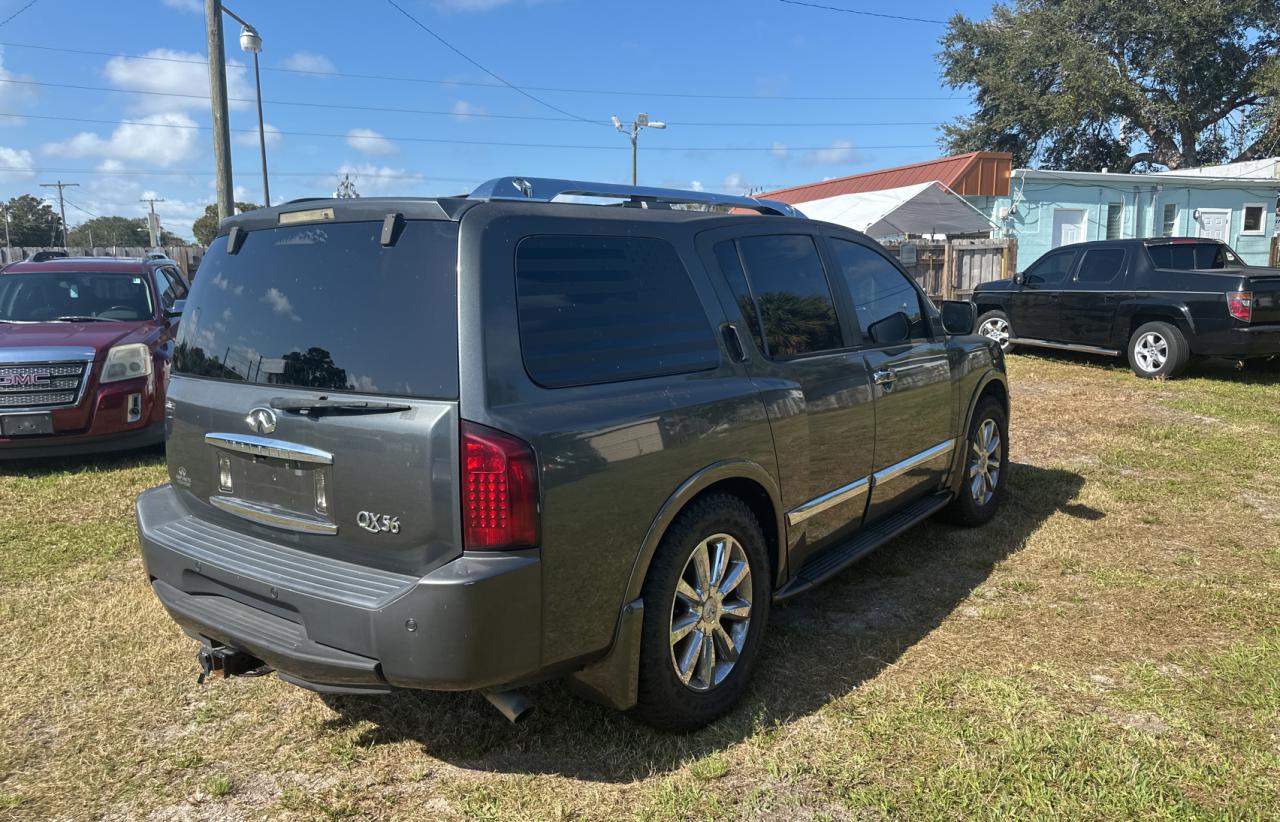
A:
{"points": [[1107, 648]]}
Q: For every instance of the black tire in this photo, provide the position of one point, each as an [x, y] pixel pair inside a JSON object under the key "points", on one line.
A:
{"points": [[1158, 350], [665, 701], [966, 509], [988, 325]]}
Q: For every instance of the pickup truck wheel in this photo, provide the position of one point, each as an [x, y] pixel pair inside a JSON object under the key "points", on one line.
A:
{"points": [[706, 602], [985, 464], [996, 325], [1158, 349]]}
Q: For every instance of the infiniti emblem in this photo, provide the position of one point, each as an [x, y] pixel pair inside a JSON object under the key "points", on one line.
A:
{"points": [[262, 420]]}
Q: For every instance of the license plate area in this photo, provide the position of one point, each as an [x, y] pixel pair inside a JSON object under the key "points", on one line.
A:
{"points": [[285, 493], [26, 425]]}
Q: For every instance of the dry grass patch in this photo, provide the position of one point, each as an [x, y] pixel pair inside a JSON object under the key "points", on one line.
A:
{"points": [[1106, 648]]}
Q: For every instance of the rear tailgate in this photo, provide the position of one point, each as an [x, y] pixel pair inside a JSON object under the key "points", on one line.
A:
{"points": [[1266, 297], [314, 393]]}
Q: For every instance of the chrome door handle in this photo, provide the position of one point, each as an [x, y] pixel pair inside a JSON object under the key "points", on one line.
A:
{"points": [[883, 377]]}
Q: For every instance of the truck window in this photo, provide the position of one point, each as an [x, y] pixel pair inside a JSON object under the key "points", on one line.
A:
{"points": [[1051, 269], [1100, 266], [879, 290], [604, 309], [1192, 256], [790, 286]]}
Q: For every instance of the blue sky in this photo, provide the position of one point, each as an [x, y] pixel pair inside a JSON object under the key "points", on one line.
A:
{"points": [[621, 57]]}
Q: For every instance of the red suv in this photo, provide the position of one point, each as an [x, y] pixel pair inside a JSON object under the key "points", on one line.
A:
{"points": [[85, 344]]}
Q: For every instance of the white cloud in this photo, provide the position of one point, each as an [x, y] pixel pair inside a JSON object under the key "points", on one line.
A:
{"points": [[309, 61], [15, 164], [250, 138], [696, 185], [12, 94], [159, 139], [368, 141], [149, 139], [465, 110], [185, 5], [779, 150], [373, 180], [279, 303], [736, 183], [176, 73], [841, 152]]}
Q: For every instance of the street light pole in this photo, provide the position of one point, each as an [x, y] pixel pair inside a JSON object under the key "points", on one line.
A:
{"points": [[641, 121], [251, 41]]}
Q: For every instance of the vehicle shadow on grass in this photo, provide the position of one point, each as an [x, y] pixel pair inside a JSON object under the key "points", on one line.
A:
{"points": [[819, 648], [114, 461], [1254, 371]]}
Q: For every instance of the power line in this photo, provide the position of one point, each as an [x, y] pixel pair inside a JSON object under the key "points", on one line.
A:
{"points": [[864, 13], [473, 84], [61, 204], [487, 71], [6, 20], [449, 141]]}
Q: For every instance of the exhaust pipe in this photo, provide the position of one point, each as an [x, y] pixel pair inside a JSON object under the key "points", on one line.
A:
{"points": [[514, 705]]}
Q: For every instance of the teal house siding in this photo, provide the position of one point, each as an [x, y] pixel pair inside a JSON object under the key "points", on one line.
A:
{"points": [[1046, 209]]}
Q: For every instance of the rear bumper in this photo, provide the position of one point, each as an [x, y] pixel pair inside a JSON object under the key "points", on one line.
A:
{"points": [[1239, 343], [62, 445], [474, 622]]}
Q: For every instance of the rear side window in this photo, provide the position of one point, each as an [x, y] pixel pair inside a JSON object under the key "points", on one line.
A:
{"points": [[328, 307], [603, 309], [1192, 256], [791, 294], [1100, 265]]}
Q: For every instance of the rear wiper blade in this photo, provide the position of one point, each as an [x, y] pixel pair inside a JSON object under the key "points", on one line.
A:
{"points": [[327, 406]]}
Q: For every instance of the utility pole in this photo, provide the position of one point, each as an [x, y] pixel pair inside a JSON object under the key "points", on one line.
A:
{"points": [[8, 243], [641, 121], [153, 224], [62, 205], [218, 99]]}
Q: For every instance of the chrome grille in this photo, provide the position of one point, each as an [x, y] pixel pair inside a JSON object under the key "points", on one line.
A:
{"points": [[41, 386]]}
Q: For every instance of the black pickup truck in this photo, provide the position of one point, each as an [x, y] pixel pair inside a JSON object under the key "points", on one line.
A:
{"points": [[1163, 301]]}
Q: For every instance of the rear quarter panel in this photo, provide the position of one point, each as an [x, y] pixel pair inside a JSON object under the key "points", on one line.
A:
{"points": [[610, 455]]}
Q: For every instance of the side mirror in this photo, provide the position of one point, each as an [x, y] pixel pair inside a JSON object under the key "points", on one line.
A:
{"points": [[895, 328], [176, 310], [1020, 278], [958, 316]]}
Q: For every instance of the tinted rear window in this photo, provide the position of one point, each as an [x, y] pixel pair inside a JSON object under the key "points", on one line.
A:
{"points": [[328, 307], [1100, 265], [602, 309], [1191, 256]]}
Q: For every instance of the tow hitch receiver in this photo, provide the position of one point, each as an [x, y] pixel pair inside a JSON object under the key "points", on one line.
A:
{"points": [[229, 662]]}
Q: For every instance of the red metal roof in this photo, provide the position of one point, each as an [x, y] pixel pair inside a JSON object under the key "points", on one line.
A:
{"points": [[979, 173]]}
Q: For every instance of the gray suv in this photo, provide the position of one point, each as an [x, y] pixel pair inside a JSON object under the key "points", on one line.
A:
{"points": [[472, 443]]}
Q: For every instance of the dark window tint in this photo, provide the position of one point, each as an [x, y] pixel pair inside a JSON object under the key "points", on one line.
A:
{"points": [[50, 296], [727, 256], [328, 307], [1253, 218], [1100, 265], [878, 289], [1191, 256], [1169, 227], [602, 309], [1051, 269], [171, 287], [791, 290], [1115, 220]]}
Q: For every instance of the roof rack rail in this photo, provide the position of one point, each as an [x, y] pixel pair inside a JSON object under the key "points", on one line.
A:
{"points": [[544, 190]]}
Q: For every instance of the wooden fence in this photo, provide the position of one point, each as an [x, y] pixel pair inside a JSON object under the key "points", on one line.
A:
{"points": [[951, 269], [186, 256]]}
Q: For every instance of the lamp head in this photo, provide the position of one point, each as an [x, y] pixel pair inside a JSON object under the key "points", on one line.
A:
{"points": [[616, 122], [250, 40]]}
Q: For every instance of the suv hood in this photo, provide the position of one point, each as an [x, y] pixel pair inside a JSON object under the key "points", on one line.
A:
{"points": [[99, 336]]}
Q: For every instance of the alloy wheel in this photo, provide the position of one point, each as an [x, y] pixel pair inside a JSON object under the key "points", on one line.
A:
{"points": [[996, 329], [711, 613], [984, 462], [1151, 351]]}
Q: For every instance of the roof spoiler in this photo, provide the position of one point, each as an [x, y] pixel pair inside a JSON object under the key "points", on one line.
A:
{"points": [[544, 190]]}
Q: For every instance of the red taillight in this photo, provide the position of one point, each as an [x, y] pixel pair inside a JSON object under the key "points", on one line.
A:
{"points": [[499, 490], [1240, 304]]}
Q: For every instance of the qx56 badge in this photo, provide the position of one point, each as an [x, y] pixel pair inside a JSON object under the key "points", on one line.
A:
{"points": [[378, 523]]}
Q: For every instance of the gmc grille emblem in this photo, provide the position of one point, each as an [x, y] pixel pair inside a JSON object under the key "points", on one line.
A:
{"points": [[33, 379]]}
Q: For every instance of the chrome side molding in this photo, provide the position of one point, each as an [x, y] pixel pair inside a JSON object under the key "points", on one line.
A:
{"points": [[829, 500], [267, 447], [1086, 349], [900, 468]]}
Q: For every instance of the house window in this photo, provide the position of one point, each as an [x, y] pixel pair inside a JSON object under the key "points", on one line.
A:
{"points": [[1115, 217], [1170, 220], [1255, 218]]}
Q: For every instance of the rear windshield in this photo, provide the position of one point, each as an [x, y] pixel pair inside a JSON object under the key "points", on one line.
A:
{"points": [[1192, 256], [52, 296], [328, 307]]}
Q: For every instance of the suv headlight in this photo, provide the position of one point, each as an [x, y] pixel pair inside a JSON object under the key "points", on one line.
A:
{"points": [[124, 362]]}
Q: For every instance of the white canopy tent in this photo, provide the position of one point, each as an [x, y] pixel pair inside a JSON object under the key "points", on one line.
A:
{"points": [[924, 208]]}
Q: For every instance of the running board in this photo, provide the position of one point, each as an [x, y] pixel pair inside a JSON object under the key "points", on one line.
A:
{"points": [[1087, 349], [821, 567]]}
